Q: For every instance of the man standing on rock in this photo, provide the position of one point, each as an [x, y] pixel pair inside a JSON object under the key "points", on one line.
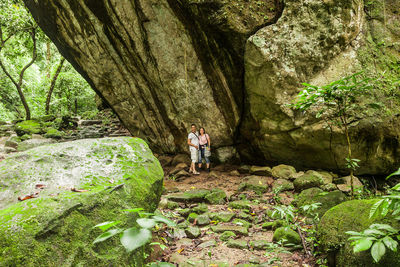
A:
{"points": [[193, 142]]}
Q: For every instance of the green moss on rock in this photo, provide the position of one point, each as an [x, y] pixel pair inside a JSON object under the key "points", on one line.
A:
{"points": [[307, 181], [287, 236], [28, 127], [351, 216], [56, 229]]}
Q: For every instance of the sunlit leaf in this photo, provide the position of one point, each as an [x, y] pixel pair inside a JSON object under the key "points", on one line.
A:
{"points": [[106, 225], [134, 238], [146, 223], [106, 235], [361, 245], [378, 250], [393, 174]]}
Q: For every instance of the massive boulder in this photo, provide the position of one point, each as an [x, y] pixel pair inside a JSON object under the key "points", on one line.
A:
{"points": [[74, 185], [232, 67]]}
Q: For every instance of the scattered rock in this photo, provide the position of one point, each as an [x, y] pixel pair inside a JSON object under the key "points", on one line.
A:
{"points": [[163, 203], [183, 224], [234, 173], [217, 196], [284, 172], [225, 236], [179, 233], [213, 174], [12, 144], [207, 244], [282, 185], [181, 173], [192, 232], [307, 181], [243, 169], [261, 171], [258, 184], [240, 204], [184, 212], [32, 143], [200, 209], [165, 160], [223, 216], [238, 230], [245, 216], [346, 187], [192, 217], [242, 223], [274, 225], [259, 244], [179, 167], [196, 195], [238, 243], [28, 127], [203, 220], [53, 133], [287, 236], [329, 187]]}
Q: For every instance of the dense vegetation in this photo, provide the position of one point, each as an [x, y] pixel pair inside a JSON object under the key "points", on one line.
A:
{"points": [[31, 67]]}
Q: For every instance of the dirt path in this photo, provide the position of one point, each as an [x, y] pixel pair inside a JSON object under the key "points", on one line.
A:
{"points": [[199, 240]]}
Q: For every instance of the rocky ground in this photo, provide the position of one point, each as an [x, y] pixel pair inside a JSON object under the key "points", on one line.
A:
{"points": [[226, 217]]}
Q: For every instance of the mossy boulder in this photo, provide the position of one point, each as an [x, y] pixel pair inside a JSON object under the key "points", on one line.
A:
{"points": [[306, 181], [56, 227], [240, 204], [28, 127], [53, 133], [223, 216], [225, 236], [284, 172], [32, 143], [282, 185], [351, 216], [191, 196], [258, 184], [316, 195], [260, 170], [274, 225], [287, 236]]}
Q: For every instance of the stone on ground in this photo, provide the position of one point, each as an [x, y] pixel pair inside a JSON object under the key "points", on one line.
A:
{"points": [[259, 244], [180, 174], [274, 225], [346, 186], [284, 172], [217, 196], [242, 223], [237, 243], [234, 173], [57, 226], [238, 230], [258, 184], [352, 216], [200, 209], [282, 185], [53, 133], [172, 205], [192, 232], [260, 171], [192, 217], [203, 220], [287, 236], [307, 181], [34, 142], [223, 216], [181, 158], [28, 127], [225, 236], [195, 195], [178, 167], [207, 244], [243, 169], [240, 204]]}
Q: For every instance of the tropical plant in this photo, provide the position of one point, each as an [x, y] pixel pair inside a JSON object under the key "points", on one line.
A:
{"points": [[336, 103], [380, 237], [134, 237]]}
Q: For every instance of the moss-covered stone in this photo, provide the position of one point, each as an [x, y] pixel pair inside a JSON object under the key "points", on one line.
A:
{"points": [[306, 181], [225, 236], [53, 133], [351, 216], [239, 230], [28, 127], [259, 244], [258, 184], [286, 236], [217, 196], [242, 223], [261, 171], [192, 216], [57, 227], [195, 195], [240, 204], [238, 243], [172, 205], [284, 172], [316, 195], [274, 225], [282, 185], [224, 216], [193, 232], [203, 219], [200, 209]]}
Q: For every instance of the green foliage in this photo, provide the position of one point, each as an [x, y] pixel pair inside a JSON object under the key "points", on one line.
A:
{"points": [[379, 237], [133, 237]]}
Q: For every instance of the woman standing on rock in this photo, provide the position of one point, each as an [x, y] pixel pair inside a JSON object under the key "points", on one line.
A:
{"points": [[204, 148]]}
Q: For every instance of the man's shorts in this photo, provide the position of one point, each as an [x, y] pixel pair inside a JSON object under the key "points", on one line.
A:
{"points": [[194, 154]]}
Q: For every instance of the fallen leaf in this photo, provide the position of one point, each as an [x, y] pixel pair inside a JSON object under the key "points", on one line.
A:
{"points": [[193, 187], [260, 182], [40, 186], [78, 190], [28, 196], [179, 251]]}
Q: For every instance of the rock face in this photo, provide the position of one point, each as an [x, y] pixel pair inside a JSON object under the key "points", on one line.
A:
{"points": [[56, 227], [230, 66]]}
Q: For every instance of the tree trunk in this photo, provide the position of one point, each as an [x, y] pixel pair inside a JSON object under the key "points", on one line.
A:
{"points": [[48, 58], [52, 85], [18, 84]]}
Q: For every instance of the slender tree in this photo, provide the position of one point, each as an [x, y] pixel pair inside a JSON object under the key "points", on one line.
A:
{"points": [[53, 83]]}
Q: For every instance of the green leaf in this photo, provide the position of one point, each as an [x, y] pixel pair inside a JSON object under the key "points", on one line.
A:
{"points": [[396, 187], [146, 223], [361, 245], [378, 250], [374, 232], [134, 210], [106, 225], [375, 209], [383, 227], [107, 235], [390, 243], [159, 218], [134, 238], [393, 174], [354, 233]]}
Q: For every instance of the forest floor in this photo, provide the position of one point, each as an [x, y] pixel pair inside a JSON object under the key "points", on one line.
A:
{"points": [[195, 242]]}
